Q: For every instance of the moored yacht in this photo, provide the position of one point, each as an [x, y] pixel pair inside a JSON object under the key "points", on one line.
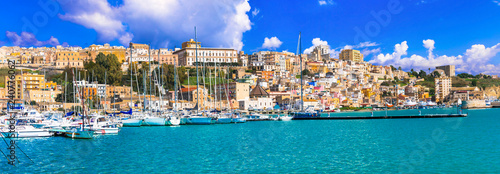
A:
{"points": [[25, 131], [284, 118]]}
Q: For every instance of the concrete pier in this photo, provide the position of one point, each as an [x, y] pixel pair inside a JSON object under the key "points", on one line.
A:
{"points": [[383, 117]]}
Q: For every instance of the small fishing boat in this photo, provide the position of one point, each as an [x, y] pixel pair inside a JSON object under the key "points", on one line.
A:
{"points": [[103, 126], [80, 134], [109, 129]]}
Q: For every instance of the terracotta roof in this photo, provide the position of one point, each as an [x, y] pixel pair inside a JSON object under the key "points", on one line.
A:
{"points": [[189, 89], [258, 91], [463, 88]]}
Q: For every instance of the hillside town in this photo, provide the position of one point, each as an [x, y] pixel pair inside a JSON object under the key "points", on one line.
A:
{"points": [[263, 80]]}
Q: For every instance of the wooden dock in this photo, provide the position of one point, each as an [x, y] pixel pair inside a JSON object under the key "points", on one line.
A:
{"points": [[384, 117]]}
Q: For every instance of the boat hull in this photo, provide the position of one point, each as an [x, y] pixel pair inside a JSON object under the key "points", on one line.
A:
{"points": [[86, 134], [106, 131], [154, 122], [223, 120], [173, 122], [299, 115], [199, 121], [132, 123], [238, 120], [285, 118], [29, 134]]}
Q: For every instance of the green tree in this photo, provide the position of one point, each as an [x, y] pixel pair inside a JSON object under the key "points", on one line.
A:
{"points": [[105, 64], [422, 74], [307, 72], [474, 82]]}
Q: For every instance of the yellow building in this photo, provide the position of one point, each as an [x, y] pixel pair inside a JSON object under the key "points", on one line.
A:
{"points": [[42, 95], [335, 103], [142, 46], [317, 67], [119, 53], [121, 91], [71, 58], [26, 58], [368, 92], [352, 55], [27, 82]]}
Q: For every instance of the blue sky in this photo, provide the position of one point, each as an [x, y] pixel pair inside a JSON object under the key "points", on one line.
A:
{"points": [[463, 33]]}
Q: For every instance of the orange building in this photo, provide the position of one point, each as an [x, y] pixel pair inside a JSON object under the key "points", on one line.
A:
{"points": [[267, 75], [89, 92]]}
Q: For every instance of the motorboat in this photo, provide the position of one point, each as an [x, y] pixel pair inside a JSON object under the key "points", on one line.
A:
{"points": [[25, 131], [285, 118]]}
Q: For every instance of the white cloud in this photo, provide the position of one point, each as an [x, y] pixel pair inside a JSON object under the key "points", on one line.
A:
{"points": [[496, 2], [315, 42], [271, 43], [475, 59], [429, 44], [326, 2], [29, 39], [367, 51], [219, 23], [255, 12]]}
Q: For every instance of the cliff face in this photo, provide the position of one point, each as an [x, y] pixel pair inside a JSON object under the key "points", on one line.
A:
{"points": [[492, 91]]}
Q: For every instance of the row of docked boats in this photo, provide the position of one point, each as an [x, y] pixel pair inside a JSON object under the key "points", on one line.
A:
{"points": [[30, 123], [175, 119]]}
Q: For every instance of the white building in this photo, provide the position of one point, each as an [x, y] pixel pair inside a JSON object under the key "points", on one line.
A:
{"points": [[187, 55], [262, 103]]}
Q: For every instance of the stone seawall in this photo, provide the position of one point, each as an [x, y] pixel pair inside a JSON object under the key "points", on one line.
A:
{"points": [[473, 104]]}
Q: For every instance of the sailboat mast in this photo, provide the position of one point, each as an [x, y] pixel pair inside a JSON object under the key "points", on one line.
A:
{"points": [[151, 76], [220, 90], [105, 90], [65, 87], [227, 91], [144, 90], [159, 78], [175, 85], [131, 87], [197, 77], [301, 88]]}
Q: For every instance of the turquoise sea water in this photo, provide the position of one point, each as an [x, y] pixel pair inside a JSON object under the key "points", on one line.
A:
{"points": [[431, 145]]}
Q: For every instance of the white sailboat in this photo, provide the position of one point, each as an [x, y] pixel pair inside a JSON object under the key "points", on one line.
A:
{"points": [[174, 119], [135, 120], [198, 118]]}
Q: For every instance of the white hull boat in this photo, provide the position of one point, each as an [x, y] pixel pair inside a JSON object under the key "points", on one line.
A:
{"points": [[26, 132]]}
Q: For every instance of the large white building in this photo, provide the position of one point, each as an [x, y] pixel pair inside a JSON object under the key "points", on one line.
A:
{"points": [[187, 55]]}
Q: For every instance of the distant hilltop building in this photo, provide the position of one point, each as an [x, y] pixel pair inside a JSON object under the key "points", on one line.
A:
{"points": [[320, 53], [352, 55], [139, 46], [449, 70], [187, 55]]}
